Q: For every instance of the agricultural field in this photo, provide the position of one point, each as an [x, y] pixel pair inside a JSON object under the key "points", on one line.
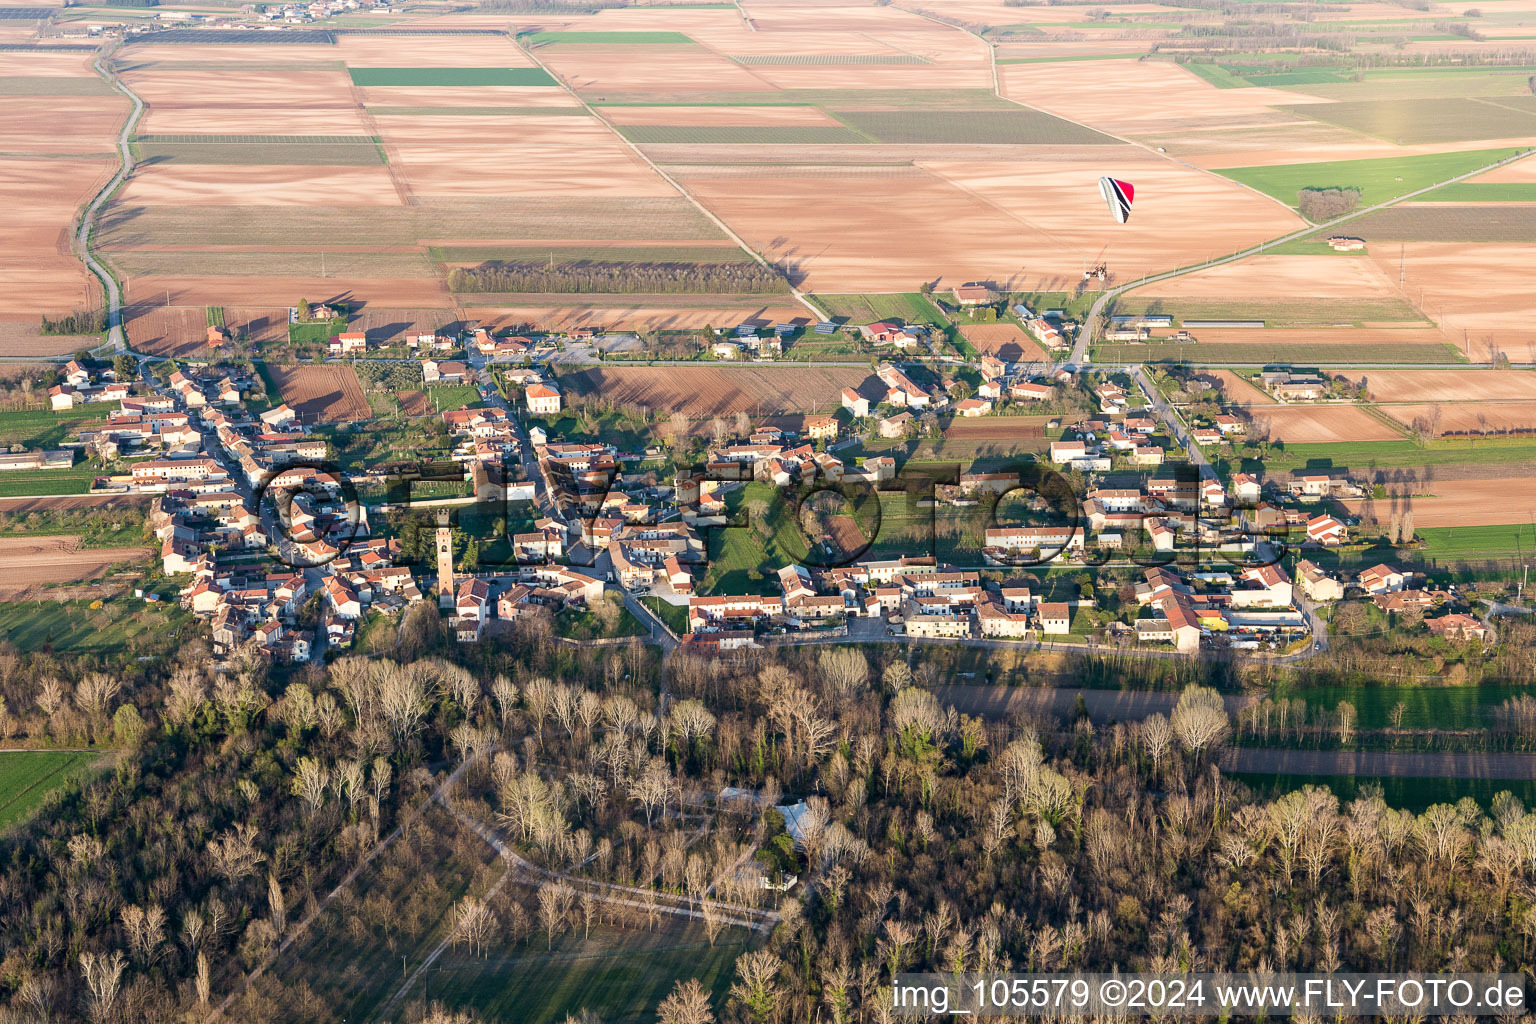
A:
{"points": [[1450, 544], [1425, 120], [1452, 222], [1008, 342], [39, 561], [907, 307], [1011, 127], [28, 777], [56, 137], [322, 393], [1318, 424], [1476, 503], [1434, 386], [704, 392], [1377, 180], [28, 482], [122, 626], [1437, 419], [44, 428]]}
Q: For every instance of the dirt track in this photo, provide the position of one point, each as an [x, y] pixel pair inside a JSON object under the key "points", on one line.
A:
{"points": [[27, 562]]}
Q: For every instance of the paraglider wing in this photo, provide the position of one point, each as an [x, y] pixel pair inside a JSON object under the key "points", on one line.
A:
{"points": [[1118, 195]]}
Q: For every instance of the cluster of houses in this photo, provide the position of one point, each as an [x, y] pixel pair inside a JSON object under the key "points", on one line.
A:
{"points": [[80, 387], [1099, 441], [1393, 591], [928, 600], [302, 14]]}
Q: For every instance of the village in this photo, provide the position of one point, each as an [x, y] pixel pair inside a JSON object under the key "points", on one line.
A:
{"points": [[236, 479]]}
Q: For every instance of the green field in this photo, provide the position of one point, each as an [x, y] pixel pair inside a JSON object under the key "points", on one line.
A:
{"points": [[123, 625], [1311, 247], [76, 480], [1298, 311], [958, 127], [27, 777], [1485, 192], [674, 615], [589, 253], [1423, 120], [44, 428], [1424, 707], [310, 332], [1412, 223], [1260, 352], [607, 38], [1409, 793], [747, 548], [1377, 180], [908, 307], [447, 397], [1444, 451], [449, 77], [1219, 76], [738, 135], [619, 975], [1449, 543]]}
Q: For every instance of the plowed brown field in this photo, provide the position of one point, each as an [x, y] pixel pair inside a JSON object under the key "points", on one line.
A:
{"points": [[322, 393], [27, 562]]}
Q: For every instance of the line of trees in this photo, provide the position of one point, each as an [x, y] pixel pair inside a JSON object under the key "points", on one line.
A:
{"points": [[585, 276], [81, 321]]}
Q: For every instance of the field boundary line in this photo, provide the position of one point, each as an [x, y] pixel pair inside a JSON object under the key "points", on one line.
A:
{"points": [[392, 165], [794, 290]]}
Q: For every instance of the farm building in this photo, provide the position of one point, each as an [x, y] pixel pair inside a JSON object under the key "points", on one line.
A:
{"points": [[974, 293]]}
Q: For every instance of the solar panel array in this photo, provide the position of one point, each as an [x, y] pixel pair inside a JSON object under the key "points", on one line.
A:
{"points": [[826, 327], [782, 329], [745, 329]]}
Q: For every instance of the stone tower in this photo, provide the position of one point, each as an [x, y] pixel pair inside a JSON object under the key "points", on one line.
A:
{"points": [[446, 598]]}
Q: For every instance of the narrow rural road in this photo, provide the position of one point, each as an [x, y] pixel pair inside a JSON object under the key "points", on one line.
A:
{"points": [[115, 336]]}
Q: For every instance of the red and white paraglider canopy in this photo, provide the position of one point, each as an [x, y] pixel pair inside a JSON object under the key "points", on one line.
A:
{"points": [[1118, 195]]}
